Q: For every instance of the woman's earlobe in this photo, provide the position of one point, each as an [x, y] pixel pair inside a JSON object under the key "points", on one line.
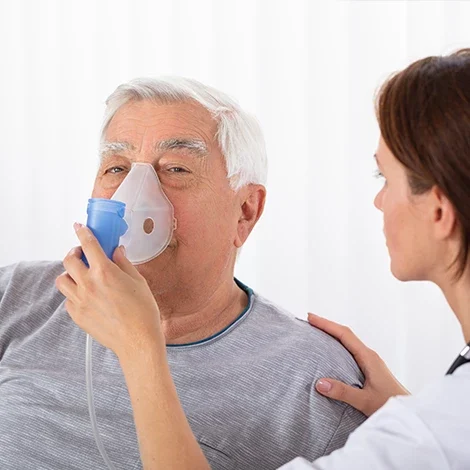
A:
{"points": [[445, 218]]}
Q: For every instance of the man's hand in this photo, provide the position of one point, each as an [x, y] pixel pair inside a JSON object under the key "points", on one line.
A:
{"points": [[380, 383], [110, 301]]}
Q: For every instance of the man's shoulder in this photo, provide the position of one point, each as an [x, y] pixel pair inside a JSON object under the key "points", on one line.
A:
{"points": [[31, 268], [311, 348], [28, 297], [37, 275]]}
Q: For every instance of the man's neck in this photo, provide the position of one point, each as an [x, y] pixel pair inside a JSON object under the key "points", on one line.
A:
{"points": [[199, 314]]}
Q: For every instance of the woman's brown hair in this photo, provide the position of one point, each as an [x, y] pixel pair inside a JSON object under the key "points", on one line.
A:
{"points": [[424, 118]]}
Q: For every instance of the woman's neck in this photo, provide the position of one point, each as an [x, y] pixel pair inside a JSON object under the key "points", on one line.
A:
{"points": [[457, 294]]}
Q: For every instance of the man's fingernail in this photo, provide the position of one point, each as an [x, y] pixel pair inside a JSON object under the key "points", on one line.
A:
{"points": [[312, 315], [77, 226], [323, 386], [123, 250]]}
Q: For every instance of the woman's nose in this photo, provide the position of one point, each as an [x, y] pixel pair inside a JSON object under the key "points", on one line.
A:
{"points": [[378, 200]]}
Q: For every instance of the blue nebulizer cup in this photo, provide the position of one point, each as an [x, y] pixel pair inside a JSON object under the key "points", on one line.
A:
{"points": [[106, 221]]}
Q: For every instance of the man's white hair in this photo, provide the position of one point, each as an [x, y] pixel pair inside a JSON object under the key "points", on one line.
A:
{"points": [[238, 132]]}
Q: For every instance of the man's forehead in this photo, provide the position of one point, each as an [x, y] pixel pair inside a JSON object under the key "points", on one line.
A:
{"points": [[160, 122], [185, 114]]}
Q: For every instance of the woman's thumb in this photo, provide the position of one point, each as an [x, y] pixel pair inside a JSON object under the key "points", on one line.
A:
{"points": [[339, 391], [119, 257]]}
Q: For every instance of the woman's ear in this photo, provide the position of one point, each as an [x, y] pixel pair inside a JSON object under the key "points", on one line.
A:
{"points": [[443, 214], [251, 209]]}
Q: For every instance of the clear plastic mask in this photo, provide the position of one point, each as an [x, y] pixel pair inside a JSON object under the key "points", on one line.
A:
{"points": [[149, 214]]}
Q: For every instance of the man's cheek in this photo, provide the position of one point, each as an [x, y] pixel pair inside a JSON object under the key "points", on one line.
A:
{"points": [[103, 193]]}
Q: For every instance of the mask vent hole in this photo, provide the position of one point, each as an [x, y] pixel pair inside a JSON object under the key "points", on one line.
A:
{"points": [[148, 226]]}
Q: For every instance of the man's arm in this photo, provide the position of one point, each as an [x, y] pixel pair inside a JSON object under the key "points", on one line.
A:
{"points": [[5, 276], [347, 424]]}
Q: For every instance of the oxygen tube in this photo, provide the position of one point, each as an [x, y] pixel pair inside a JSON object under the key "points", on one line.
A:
{"points": [[91, 402]]}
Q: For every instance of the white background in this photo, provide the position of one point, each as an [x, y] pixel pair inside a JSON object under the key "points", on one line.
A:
{"points": [[307, 69]]}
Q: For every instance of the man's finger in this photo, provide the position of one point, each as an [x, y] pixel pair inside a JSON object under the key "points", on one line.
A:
{"points": [[337, 390], [90, 246], [344, 335]]}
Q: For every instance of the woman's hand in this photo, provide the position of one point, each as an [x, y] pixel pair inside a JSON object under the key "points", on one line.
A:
{"points": [[110, 301], [380, 384]]}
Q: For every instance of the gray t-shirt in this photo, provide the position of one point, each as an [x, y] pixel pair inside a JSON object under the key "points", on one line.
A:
{"points": [[248, 392]]}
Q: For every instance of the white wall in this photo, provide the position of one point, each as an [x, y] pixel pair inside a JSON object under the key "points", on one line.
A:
{"points": [[307, 69]]}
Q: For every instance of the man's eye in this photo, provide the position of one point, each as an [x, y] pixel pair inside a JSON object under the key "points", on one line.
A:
{"points": [[177, 169], [114, 170]]}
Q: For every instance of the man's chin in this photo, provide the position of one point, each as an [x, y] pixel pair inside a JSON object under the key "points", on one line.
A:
{"points": [[159, 273]]}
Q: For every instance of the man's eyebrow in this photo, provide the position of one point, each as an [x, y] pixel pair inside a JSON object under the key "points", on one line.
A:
{"points": [[196, 146], [114, 147]]}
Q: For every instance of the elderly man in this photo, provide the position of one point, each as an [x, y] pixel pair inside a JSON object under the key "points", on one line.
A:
{"points": [[244, 369]]}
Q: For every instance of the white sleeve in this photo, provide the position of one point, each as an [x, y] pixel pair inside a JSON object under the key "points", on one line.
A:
{"points": [[394, 438], [297, 464]]}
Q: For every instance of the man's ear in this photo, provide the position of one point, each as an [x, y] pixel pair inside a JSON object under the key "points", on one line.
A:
{"points": [[252, 202], [443, 214]]}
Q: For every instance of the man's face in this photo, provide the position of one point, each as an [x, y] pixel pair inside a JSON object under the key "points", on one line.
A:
{"points": [[179, 141]]}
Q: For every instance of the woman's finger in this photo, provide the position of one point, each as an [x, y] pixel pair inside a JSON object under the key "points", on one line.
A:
{"points": [[67, 286], [337, 390], [74, 265], [90, 246], [119, 258]]}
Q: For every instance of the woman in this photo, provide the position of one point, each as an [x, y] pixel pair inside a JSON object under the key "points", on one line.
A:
{"points": [[424, 157]]}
